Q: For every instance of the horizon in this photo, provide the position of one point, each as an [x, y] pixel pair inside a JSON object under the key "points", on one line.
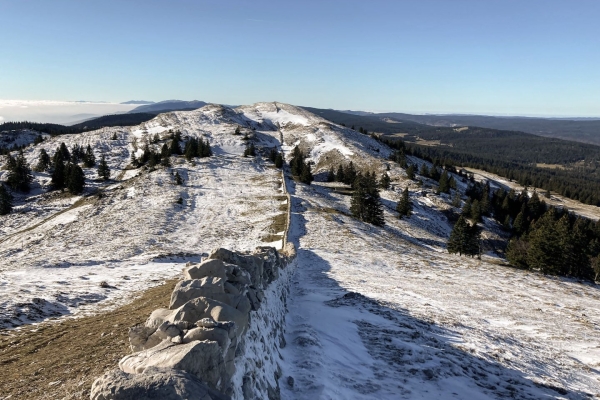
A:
{"points": [[498, 58], [56, 111]]}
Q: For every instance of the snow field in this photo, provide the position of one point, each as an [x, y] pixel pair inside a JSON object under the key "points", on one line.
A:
{"points": [[374, 314]]}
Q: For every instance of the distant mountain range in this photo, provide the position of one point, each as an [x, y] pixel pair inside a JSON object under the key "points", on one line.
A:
{"points": [[586, 130], [138, 102], [169, 105]]}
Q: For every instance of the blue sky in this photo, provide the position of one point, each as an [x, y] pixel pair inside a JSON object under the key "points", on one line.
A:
{"points": [[524, 57]]}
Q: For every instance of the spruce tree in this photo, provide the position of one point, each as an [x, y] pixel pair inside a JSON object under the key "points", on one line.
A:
{"points": [[19, 173], [58, 170], [366, 203], [65, 152], [457, 240], [43, 161], [75, 178], [134, 161], [456, 201], [424, 171], [545, 248], [476, 211], [410, 172], [331, 175], [89, 159], [339, 176], [350, 174], [272, 155], [279, 160], [103, 169], [175, 148], [306, 176], [250, 150], [178, 178], [5, 200], [444, 183], [385, 181], [404, 206]]}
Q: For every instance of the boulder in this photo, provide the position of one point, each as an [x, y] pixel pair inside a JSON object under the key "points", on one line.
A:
{"points": [[158, 317], [206, 268], [138, 337], [214, 334], [204, 359], [202, 307], [153, 383], [193, 288], [249, 263]]}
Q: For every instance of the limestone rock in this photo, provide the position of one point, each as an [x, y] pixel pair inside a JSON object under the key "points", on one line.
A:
{"points": [[251, 264], [218, 335], [206, 268], [204, 359], [154, 383], [138, 336], [192, 288]]}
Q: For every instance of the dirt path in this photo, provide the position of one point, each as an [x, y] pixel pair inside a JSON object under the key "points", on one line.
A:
{"points": [[61, 360]]}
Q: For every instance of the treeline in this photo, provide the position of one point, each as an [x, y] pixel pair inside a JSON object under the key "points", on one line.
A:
{"points": [[93, 124], [581, 183], [543, 238]]}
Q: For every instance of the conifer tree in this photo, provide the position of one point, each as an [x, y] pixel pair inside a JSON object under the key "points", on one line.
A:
{"points": [[75, 179], [350, 174], [250, 150], [165, 151], [520, 224], [444, 183], [89, 159], [165, 161], [366, 203], [134, 161], [385, 181], [19, 173], [43, 161], [5, 200], [467, 208], [476, 211], [65, 152], [175, 148], [456, 201], [404, 206], [410, 172], [272, 155], [178, 178], [58, 170], [424, 171], [279, 160], [339, 176], [331, 175], [464, 238], [103, 169], [306, 176]]}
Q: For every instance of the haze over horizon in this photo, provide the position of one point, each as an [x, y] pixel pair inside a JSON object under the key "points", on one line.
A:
{"points": [[466, 57]]}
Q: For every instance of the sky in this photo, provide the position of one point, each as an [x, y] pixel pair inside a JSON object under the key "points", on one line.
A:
{"points": [[525, 57]]}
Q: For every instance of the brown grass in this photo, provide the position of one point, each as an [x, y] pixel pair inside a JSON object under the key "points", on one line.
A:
{"points": [[60, 360]]}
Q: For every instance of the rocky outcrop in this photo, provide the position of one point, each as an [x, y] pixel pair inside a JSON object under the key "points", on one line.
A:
{"points": [[215, 316]]}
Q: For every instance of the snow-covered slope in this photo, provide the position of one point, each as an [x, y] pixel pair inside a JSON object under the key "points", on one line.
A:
{"points": [[387, 313], [57, 249]]}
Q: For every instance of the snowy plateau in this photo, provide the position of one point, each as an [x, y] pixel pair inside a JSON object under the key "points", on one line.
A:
{"points": [[373, 313]]}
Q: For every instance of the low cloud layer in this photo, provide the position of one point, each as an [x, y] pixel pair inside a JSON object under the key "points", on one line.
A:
{"points": [[58, 112]]}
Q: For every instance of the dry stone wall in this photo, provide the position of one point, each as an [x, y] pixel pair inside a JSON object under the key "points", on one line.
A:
{"points": [[218, 339]]}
